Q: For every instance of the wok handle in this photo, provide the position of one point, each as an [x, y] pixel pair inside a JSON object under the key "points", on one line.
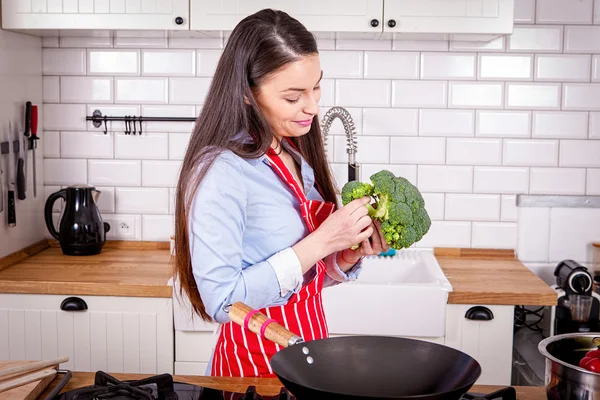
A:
{"points": [[258, 323]]}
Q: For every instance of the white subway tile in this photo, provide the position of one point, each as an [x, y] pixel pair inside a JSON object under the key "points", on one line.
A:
{"points": [[582, 39], [503, 123], [526, 153], [417, 150], [86, 89], [64, 172], [533, 234], [362, 44], [135, 42], [86, 42], [63, 61], [524, 12], [472, 207], [474, 151], [505, 67], [508, 209], [86, 145], [434, 205], [363, 93], [498, 235], [114, 173], [580, 153], [188, 90], [557, 181], [426, 94], [371, 149], [562, 67], [564, 12], [178, 143], [168, 62], [446, 122], [448, 66], [59, 203], [157, 227], [51, 89], [50, 41], [106, 199], [572, 232], [142, 200], [419, 45], [475, 95], [581, 96], [51, 144], [169, 111], [539, 39], [207, 62], [327, 93], [160, 173], [391, 65], [447, 234], [390, 121], [65, 117], [533, 96], [342, 64], [594, 132], [458, 44], [593, 182], [145, 146], [596, 11], [337, 128], [408, 172], [113, 62], [141, 90], [172, 200], [195, 42], [447, 179], [326, 44], [596, 68], [110, 109], [501, 180], [560, 124]]}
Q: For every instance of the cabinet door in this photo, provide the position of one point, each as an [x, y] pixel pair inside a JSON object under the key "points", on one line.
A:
{"points": [[316, 15], [490, 342], [116, 334], [95, 14], [449, 16]]}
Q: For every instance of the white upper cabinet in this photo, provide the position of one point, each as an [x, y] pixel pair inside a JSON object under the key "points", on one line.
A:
{"points": [[96, 14], [316, 15], [449, 16]]}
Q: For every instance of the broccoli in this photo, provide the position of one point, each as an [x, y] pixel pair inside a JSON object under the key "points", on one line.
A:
{"points": [[398, 205]]}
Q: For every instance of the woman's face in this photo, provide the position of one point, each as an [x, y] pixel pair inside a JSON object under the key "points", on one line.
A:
{"points": [[289, 98]]}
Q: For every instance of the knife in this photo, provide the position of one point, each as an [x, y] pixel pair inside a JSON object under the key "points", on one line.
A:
{"points": [[21, 184], [33, 138], [12, 214], [2, 172]]}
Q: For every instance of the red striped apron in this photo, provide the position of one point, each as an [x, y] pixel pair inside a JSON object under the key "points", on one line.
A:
{"points": [[242, 353]]}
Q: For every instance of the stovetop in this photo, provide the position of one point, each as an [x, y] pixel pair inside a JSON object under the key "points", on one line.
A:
{"points": [[162, 387]]}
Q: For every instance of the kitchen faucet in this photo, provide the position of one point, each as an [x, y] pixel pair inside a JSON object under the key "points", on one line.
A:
{"points": [[348, 123]]}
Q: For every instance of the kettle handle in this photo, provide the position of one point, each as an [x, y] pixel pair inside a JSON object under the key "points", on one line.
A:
{"points": [[61, 194]]}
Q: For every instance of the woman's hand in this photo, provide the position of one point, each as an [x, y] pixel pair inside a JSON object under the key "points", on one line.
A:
{"points": [[371, 246]]}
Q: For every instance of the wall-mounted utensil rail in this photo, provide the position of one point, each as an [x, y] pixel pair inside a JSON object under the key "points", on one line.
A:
{"points": [[130, 121]]}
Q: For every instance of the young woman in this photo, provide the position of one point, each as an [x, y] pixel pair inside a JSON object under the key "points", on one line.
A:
{"points": [[256, 216]]}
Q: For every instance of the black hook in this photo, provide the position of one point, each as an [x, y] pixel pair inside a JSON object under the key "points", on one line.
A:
{"points": [[127, 124], [133, 120], [105, 128], [140, 119]]}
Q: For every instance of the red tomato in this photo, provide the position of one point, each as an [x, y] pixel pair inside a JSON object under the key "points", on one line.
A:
{"points": [[593, 353], [584, 361], [593, 365]]}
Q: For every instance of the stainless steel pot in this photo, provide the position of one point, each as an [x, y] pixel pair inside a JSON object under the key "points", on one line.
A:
{"points": [[564, 379]]}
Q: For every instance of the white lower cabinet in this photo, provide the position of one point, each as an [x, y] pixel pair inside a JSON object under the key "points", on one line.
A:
{"points": [[113, 334]]}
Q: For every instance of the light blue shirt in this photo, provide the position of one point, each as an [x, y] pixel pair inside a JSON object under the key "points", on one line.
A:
{"points": [[243, 222]]}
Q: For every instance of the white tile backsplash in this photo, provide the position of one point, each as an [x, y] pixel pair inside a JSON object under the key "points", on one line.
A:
{"points": [[572, 232], [470, 123]]}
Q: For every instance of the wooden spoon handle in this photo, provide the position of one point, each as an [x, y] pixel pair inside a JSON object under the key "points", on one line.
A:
{"points": [[32, 366], [25, 379], [258, 323]]}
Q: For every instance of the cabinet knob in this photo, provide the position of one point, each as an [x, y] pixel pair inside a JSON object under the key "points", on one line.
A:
{"points": [[374, 23], [479, 313], [179, 21], [73, 304], [392, 23]]}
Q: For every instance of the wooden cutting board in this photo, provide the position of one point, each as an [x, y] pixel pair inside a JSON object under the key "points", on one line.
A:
{"points": [[30, 391]]}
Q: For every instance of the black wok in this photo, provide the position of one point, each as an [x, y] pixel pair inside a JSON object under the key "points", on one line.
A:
{"points": [[364, 367]]}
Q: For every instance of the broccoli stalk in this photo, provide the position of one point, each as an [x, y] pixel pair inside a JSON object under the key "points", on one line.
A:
{"points": [[398, 205]]}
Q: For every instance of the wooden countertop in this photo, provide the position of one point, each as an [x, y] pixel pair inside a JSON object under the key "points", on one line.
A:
{"points": [[264, 386], [142, 269]]}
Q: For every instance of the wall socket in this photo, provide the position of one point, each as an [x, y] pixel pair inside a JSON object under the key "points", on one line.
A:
{"points": [[124, 227]]}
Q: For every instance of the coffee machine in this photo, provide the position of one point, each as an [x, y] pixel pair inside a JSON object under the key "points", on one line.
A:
{"points": [[578, 306]]}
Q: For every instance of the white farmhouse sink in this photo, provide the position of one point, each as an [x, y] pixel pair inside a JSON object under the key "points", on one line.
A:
{"points": [[404, 295]]}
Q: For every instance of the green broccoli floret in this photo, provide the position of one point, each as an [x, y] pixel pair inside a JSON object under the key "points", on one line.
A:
{"points": [[398, 205]]}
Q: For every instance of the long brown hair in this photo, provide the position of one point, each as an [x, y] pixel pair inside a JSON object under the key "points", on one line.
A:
{"points": [[259, 45]]}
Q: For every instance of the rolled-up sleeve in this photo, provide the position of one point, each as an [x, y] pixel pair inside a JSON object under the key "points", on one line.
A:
{"points": [[217, 223], [335, 275]]}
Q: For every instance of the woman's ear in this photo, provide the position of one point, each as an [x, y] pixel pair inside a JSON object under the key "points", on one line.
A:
{"points": [[246, 100]]}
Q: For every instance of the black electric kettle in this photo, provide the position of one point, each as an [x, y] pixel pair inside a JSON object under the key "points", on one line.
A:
{"points": [[81, 229]]}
